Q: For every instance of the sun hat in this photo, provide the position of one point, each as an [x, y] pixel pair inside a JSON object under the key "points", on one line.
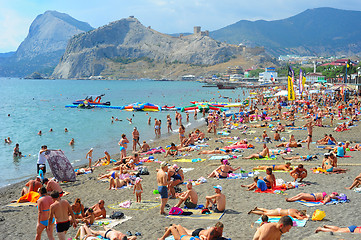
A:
{"points": [[218, 187]]}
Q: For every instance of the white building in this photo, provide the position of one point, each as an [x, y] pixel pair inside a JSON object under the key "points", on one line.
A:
{"points": [[270, 75]]}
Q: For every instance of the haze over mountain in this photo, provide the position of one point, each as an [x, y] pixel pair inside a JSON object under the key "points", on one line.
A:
{"points": [[45, 44], [320, 31]]}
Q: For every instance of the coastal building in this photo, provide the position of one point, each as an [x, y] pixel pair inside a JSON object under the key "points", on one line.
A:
{"points": [[269, 75], [316, 77], [188, 78]]}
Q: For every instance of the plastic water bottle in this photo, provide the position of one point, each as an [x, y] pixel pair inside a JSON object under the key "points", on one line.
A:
{"points": [[296, 184]]}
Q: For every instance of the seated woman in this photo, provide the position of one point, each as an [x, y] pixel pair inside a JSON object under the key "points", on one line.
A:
{"points": [[299, 173], [78, 209], [299, 214], [283, 167], [327, 165], [223, 170], [172, 151], [175, 177], [329, 228], [320, 196]]}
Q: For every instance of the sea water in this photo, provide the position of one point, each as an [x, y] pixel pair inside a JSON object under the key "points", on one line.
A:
{"points": [[36, 105]]}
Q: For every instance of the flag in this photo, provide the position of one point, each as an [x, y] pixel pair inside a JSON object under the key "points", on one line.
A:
{"points": [[303, 79], [300, 86], [291, 92]]}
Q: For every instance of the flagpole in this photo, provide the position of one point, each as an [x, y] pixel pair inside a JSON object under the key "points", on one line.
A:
{"points": [[345, 80]]}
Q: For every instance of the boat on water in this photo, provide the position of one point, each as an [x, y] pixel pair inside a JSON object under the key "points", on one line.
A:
{"points": [[221, 86], [92, 100]]}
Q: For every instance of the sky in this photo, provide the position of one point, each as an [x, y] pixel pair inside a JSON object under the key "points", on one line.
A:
{"points": [[167, 16]]}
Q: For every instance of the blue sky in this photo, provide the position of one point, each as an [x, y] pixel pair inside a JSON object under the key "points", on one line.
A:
{"points": [[167, 16]]}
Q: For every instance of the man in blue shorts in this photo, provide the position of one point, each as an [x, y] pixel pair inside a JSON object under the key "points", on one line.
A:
{"points": [[162, 181]]}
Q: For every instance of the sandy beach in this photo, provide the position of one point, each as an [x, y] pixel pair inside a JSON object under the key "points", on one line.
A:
{"points": [[20, 222]]}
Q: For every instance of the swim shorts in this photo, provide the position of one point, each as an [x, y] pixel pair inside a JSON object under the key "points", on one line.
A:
{"points": [[121, 148], [63, 226], [352, 228], [163, 191]]}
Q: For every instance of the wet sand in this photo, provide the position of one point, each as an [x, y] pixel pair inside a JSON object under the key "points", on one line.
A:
{"points": [[20, 223]]}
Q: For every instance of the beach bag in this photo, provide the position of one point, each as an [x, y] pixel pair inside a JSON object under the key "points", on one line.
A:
{"points": [[117, 215], [144, 171], [175, 211], [318, 215]]}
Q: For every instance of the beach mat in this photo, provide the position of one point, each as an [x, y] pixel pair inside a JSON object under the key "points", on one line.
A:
{"points": [[274, 171], [25, 204], [318, 203], [189, 160], [277, 190], [198, 215], [275, 219], [145, 205], [265, 158], [111, 223]]}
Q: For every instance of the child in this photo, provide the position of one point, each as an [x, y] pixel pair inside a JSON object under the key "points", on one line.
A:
{"points": [[264, 219], [138, 189]]}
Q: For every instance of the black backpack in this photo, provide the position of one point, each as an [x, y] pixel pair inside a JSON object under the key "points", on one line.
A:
{"points": [[144, 171], [117, 215]]}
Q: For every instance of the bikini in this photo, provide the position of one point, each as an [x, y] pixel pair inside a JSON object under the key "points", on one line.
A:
{"points": [[109, 230], [192, 238]]}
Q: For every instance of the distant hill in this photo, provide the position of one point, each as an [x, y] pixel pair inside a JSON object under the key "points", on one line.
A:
{"points": [[127, 41], [319, 31], [45, 44]]}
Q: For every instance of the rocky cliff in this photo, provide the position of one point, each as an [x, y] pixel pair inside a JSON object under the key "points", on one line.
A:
{"points": [[45, 44], [91, 53]]}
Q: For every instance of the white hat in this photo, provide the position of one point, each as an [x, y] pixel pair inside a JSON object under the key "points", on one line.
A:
{"points": [[41, 165], [163, 164], [218, 187], [91, 149]]}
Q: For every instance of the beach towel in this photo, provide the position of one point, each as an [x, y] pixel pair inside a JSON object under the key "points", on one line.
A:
{"points": [[145, 205], [274, 171], [234, 176], [30, 197], [222, 157], [189, 160], [275, 219], [223, 133], [277, 190], [172, 238], [266, 158], [317, 203], [187, 169], [24, 204], [297, 128], [111, 223], [198, 215]]}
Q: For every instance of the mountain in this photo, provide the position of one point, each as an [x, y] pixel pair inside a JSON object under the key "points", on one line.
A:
{"points": [[127, 40], [44, 45], [319, 31]]}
